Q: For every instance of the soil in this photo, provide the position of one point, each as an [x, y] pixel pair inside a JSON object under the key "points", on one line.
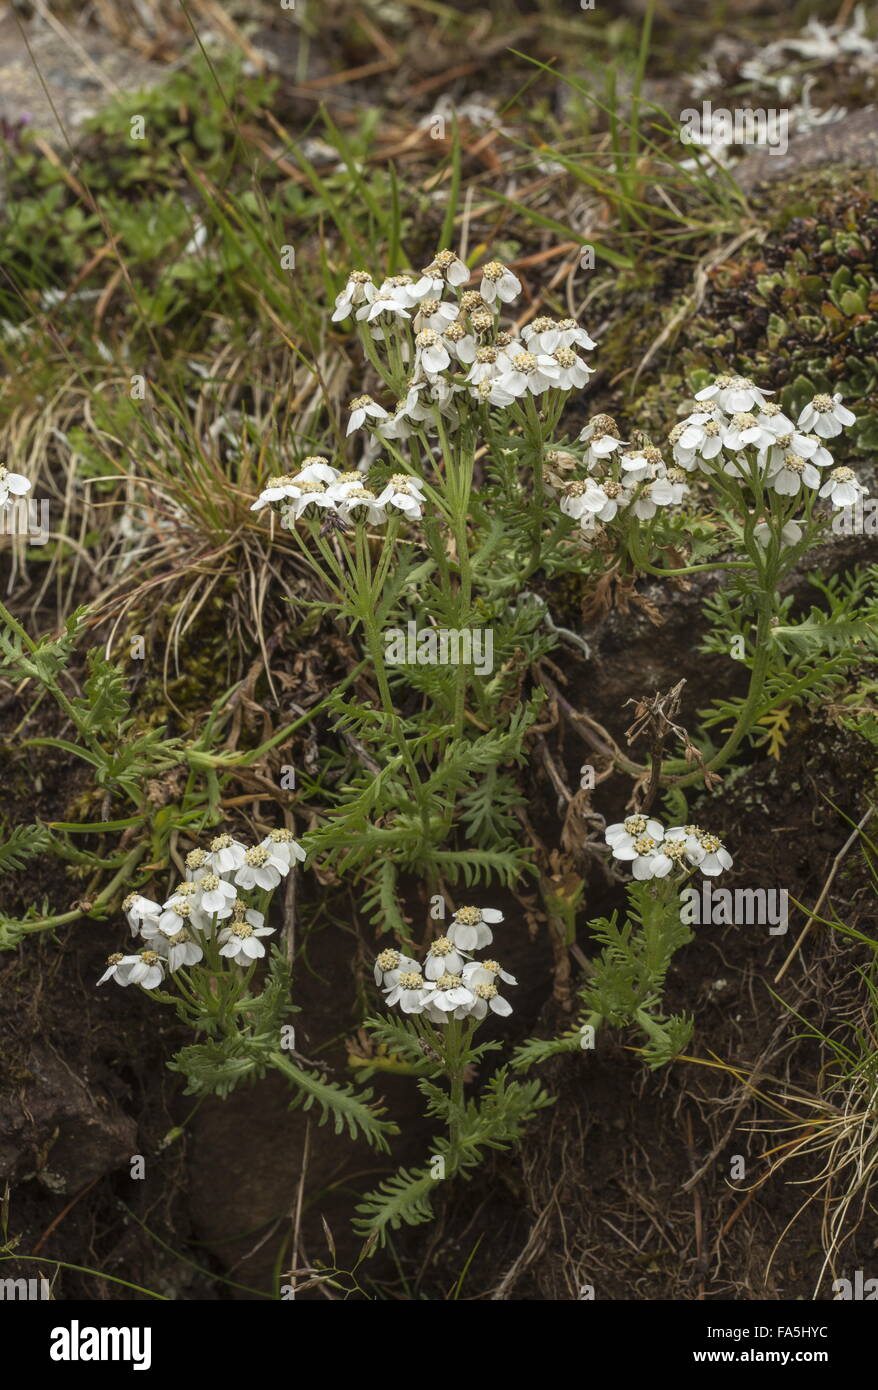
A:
{"points": [[623, 1186]]}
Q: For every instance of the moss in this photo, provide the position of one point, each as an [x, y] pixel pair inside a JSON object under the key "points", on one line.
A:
{"points": [[798, 312]]}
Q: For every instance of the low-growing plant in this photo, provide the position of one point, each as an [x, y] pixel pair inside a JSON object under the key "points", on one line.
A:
{"points": [[426, 548]]}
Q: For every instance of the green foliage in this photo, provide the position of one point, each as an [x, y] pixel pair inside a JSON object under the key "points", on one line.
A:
{"points": [[808, 659], [626, 983], [25, 842], [798, 314], [405, 1198], [243, 1043], [493, 1120]]}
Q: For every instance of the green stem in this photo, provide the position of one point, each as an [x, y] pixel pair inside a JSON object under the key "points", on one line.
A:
{"points": [[61, 918]]}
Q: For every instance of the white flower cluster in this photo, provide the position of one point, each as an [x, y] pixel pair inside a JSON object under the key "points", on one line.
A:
{"points": [[12, 485], [207, 902], [652, 851], [452, 346], [733, 417], [450, 984], [325, 490], [634, 479]]}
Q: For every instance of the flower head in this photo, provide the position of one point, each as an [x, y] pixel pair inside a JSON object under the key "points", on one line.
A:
{"points": [[240, 941], [842, 488], [498, 283], [825, 416], [470, 927], [11, 485]]}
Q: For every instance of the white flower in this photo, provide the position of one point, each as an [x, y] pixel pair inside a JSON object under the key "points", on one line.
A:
{"points": [[623, 833], [216, 895], [408, 991], [676, 481], [118, 967], [469, 929], [353, 293], [436, 315], [480, 978], [736, 395], [196, 864], [345, 482], [699, 437], [547, 335], [225, 855], [240, 941], [316, 494], [382, 305], [289, 487], [442, 393], [182, 950], [446, 265], [806, 446], [487, 365], [263, 867], [141, 912], [714, 857], [529, 372], [594, 498], [498, 282], [390, 964], [431, 354], [638, 841], [489, 970], [361, 408], [406, 290], [491, 392], [443, 959], [792, 473], [816, 451], [602, 436], [147, 969], [825, 416], [358, 500], [574, 499], [284, 846], [182, 910], [687, 838], [773, 418], [398, 424], [702, 850], [638, 464], [842, 487], [744, 431], [460, 343], [242, 913], [405, 493], [11, 484], [658, 493], [573, 372], [448, 993]]}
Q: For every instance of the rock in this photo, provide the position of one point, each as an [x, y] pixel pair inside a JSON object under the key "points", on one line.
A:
{"points": [[81, 72], [851, 143]]}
